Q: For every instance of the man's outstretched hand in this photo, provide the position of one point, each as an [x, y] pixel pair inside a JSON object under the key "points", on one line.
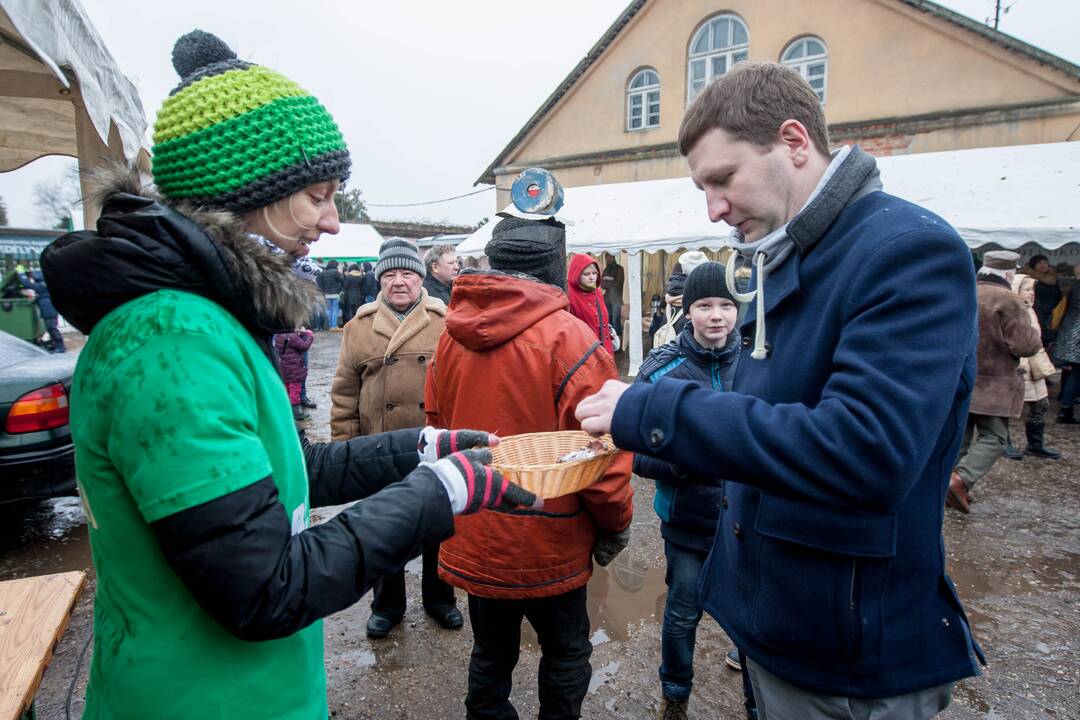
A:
{"points": [[435, 444], [595, 412]]}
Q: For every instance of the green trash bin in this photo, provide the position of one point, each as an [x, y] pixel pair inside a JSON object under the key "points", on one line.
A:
{"points": [[19, 315]]}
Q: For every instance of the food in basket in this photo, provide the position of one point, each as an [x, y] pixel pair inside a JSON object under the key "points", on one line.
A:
{"points": [[594, 448], [548, 464]]}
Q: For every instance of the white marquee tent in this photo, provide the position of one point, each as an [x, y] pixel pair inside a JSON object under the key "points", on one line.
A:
{"points": [[61, 92], [355, 242], [1007, 196]]}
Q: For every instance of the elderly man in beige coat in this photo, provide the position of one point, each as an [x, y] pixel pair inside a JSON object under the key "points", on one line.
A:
{"points": [[1005, 336], [379, 386]]}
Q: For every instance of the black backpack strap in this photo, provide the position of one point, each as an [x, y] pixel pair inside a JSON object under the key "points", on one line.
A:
{"points": [[578, 364]]}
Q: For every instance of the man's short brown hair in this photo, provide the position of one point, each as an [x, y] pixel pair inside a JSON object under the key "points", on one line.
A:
{"points": [[751, 103]]}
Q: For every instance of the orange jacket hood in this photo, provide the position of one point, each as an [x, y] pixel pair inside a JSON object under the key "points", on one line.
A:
{"points": [[489, 309]]}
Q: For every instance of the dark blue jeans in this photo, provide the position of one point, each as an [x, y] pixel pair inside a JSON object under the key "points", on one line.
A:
{"points": [[332, 311], [56, 338], [682, 613]]}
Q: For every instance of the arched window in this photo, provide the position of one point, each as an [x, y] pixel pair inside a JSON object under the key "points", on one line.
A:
{"points": [[643, 100], [809, 56], [717, 46]]}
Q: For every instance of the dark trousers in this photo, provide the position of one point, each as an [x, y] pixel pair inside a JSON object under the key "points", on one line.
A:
{"points": [[56, 338], [561, 623], [389, 593], [615, 318], [682, 613], [1070, 386]]}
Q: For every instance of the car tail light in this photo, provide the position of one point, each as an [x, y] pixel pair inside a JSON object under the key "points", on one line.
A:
{"points": [[41, 409]]}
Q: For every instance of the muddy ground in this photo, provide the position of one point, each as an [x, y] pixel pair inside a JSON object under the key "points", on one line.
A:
{"points": [[1015, 560]]}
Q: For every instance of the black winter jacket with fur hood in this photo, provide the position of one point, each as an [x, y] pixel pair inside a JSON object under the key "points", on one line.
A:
{"points": [[236, 554]]}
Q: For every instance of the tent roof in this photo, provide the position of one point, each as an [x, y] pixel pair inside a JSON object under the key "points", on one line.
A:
{"points": [[1007, 195], [650, 215], [432, 240], [354, 240], [61, 92]]}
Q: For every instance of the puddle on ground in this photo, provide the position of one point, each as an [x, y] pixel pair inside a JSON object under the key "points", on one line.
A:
{"points": [[624, 594], [620, 596], [1024, 575], [603, 675], [969, 694], [377, 655], [43, 537]]}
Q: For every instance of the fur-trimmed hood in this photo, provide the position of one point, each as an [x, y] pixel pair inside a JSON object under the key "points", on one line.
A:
{"points": [[142, 245]]}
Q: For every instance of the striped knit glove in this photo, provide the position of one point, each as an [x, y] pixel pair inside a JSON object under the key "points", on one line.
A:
{"points": [[473, 486], [435, 444]]}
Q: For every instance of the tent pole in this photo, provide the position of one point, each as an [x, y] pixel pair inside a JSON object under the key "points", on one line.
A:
{"points": [[634, 261]]}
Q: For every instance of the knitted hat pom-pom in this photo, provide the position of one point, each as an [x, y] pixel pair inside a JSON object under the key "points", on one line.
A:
{"points": [[198, 49]]}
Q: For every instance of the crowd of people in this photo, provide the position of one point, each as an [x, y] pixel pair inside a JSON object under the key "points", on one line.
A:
{"points": [[801, 425]]}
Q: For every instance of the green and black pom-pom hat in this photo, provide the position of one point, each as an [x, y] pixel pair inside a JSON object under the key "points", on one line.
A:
{"points": [[238, 136]]}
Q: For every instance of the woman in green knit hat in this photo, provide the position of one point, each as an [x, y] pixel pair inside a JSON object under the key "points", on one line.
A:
{"points": [[196, 484]]}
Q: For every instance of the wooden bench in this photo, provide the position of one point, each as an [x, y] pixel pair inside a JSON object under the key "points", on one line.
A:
{"points": [[34, 612]]}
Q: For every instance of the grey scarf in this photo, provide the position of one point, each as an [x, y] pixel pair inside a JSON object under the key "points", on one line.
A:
{"points": [[400, 315]]}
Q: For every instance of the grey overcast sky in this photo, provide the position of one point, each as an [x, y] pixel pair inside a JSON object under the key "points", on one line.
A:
{"points": [[426, 93]]}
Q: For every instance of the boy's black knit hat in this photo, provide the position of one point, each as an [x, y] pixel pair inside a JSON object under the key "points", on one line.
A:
{"points": [[707, 280]]}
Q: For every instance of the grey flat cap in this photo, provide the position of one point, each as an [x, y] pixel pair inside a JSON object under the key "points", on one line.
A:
{"points": [[1001, 260]]}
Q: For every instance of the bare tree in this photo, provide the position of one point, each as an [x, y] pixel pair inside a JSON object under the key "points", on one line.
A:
{"points": [[3, 212], [351, 206], [56, 199]]}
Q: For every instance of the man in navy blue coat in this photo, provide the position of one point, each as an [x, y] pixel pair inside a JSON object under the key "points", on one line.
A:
{"points": [[838, 437]]}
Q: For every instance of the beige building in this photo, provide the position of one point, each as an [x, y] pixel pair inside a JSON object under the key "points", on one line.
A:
{"points": [[895, 76]]}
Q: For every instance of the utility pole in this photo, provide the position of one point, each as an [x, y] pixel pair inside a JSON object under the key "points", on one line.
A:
{"points": [[997, 13]]}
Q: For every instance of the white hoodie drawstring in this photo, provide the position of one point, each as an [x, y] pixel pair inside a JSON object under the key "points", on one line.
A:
{"points": [[759, 353]]}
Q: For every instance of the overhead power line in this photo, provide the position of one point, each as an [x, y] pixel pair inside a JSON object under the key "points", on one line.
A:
{"points": [[428, 202]]}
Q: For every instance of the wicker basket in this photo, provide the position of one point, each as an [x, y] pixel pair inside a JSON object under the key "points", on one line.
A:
{"points": [[530, 460]]}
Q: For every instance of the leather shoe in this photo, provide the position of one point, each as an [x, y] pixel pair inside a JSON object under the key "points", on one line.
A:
{"points": [[379, 626], [674, 709], [1012, 453], [450, 618], [957, 497]]}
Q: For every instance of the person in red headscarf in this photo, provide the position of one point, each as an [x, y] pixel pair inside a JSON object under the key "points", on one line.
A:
{"points": [[586, 300]]}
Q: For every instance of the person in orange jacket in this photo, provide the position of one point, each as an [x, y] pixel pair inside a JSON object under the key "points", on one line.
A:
{"points": [[509, 332]]}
